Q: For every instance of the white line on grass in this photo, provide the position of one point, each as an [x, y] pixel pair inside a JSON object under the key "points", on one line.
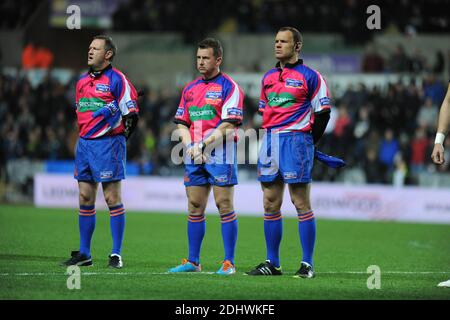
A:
{"points": [[45, 274]]}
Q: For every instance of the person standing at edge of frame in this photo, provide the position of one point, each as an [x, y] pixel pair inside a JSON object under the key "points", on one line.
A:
{"points": [[438, 151]]}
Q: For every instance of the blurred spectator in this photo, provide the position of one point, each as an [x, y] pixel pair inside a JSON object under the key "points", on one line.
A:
{"points": [[372, 61], [52, 145], [373, 170], [341, 131], [400, 171], [33, 149], [28, 56], [419, 146], [12, 145], [36, 56], [399, 61], [427, 115], [354, 97], [14, 14], [388, 149], [439, 63], [345, 17], [43, 58], [147, 155], [434, 89], [361, 131], [418, 61]]}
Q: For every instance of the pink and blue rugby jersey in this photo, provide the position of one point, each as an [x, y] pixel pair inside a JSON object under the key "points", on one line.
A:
{"points": [[205, 104], [94, 92], [290, 97]]}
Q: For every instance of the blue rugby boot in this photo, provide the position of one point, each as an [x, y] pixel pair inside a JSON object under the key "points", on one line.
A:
{"points": [[227, 268], [186, 266]]}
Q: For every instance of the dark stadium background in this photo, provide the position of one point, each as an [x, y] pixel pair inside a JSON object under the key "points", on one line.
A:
{"points": [[387, 86]]}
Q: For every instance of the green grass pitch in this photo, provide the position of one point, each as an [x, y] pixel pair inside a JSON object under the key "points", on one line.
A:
{"points": [[413, 259]]}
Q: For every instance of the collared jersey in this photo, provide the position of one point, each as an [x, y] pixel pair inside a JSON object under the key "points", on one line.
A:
{"points": [[290, 96], [205, 104], [94, 92]]}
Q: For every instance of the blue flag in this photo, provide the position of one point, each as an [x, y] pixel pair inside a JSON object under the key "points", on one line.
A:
{"points": [[330, 161]]}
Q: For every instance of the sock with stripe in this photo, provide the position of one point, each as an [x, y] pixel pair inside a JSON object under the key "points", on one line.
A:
{"points": [[273, 231], [307, 231], [86, 225], [229, 234], [117, 224], [196, 233]]}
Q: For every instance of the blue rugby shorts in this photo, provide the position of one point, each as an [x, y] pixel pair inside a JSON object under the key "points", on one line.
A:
{"points": [[288, 156], [100, 160]]}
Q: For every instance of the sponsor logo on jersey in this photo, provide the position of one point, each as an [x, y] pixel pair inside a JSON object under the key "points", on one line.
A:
{"points": [[106, 174], [325, 101], [290, 175], [101, 87], [90, 104], [205, 113], [221, 179], [234, 112], [283, 100], [262, 104], [293, 83], [180, 112], [213, 97], [131, 105]]}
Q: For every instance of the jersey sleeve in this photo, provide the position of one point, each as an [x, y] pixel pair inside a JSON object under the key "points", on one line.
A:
{"points": [[182, 114], [77, 95], [262, 99], [232, 108], [125, 94], [318, 93]]}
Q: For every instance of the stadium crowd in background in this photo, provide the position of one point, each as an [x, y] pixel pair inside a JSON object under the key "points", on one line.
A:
{"points": [[384, 134], [248, 16], [374, 130], [400, 60]]}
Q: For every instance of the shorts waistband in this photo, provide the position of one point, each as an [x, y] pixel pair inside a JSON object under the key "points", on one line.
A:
{"points": [[104, 137], [290, 133]]}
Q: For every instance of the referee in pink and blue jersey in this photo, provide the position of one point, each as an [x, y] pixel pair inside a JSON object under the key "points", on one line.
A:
{"points": [[107, 114], [295, 107], [210, 110]]}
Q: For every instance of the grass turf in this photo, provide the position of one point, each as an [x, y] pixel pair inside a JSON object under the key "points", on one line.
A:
{"points": [[413, 258]]}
